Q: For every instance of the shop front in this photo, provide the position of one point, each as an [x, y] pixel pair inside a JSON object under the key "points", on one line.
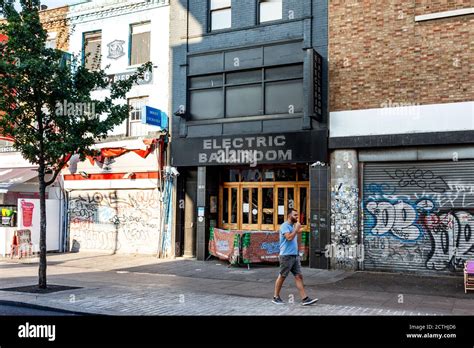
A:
{"points": [[243, 188], [115, 199], [20, 206]]}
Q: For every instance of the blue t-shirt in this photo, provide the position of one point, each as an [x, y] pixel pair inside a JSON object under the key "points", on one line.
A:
{"points": [[288, 247]]}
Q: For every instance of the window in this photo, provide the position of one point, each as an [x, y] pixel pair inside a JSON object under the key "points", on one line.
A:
{"points": [[266, 174], [140, 43], [232, 175], [257, 203], [135, 125], [262, 206], [92, 55], [251, 175], [207, 104], [264, 91], [270, 10], [244, 101], [220, 14], [229, 201], [303, 203], [284, 97], [51, 40], [250, 207], [286, 201]]}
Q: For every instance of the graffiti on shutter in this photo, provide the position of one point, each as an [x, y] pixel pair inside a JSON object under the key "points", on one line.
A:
{"points": [[418, 216]]}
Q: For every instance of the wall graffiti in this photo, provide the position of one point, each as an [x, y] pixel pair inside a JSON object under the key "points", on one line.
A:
{"points": [[424, 179], [430, 228], [451, 239], [399, 218], [123, 220]]}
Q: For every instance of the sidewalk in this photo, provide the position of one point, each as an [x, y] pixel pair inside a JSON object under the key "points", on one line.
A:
{"points": [[144, 285]]}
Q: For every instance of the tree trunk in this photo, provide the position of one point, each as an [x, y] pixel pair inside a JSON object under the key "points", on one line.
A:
{"points": [[42, 264]]}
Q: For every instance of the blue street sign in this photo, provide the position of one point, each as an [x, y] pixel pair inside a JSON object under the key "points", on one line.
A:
{"points": [[154, 117]]}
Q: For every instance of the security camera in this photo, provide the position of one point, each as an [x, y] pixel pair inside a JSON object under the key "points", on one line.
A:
{"points": [[171, 170], [180, 113]]}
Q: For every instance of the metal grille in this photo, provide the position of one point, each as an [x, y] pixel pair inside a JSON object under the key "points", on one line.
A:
{"points": [[418, 216]]}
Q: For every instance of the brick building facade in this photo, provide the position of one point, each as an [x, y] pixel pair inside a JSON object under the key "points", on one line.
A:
{"points": [[402, 134], [55, 22], [384, 51]]}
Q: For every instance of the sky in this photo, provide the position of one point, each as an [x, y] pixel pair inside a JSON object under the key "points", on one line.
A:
{"points": [[58, 3], [53, 3]]}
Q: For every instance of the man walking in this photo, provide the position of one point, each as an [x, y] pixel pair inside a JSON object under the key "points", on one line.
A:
{"points": [[290, 260]]}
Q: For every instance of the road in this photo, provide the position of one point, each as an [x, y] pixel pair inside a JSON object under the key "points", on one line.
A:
{"points": [[15, 310]]}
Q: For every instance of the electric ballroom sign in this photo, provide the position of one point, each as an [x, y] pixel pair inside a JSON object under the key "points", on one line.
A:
{"points": [[253, 149], [245, 150]]}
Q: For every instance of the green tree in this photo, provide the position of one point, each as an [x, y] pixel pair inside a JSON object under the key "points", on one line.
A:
{"points": [[36, 83]]}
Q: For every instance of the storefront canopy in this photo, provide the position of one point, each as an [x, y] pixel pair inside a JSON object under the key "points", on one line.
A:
{"points": [[10, 177], [142, 147]]}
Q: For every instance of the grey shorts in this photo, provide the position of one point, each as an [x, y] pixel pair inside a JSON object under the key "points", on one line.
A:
{"points": [[290, 263]]}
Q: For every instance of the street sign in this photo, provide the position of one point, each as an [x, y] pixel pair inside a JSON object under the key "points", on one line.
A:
{"points": [[154, 117]]}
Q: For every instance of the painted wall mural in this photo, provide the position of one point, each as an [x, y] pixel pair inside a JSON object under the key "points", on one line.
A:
{"points": [[416, 219], [124, 221]]}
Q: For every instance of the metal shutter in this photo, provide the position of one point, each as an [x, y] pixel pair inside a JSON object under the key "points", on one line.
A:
{"points": [[418, 217]]}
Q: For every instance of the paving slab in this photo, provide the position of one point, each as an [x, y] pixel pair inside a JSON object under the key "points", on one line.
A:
{"points": [[144, 285]]}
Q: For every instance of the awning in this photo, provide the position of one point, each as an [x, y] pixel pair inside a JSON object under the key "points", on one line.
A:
{"points": [[134, 144], [10, 177], [142, 147]]}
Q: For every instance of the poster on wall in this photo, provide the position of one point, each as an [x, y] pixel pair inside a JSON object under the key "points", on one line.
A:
{"points": [[29, 218]]}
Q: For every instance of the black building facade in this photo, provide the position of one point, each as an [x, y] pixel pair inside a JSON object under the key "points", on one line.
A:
{"points": [[249, 95]]}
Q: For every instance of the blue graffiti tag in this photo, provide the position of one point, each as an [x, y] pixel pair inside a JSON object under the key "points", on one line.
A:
{"points": [[376, 189], [396, 218]]}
